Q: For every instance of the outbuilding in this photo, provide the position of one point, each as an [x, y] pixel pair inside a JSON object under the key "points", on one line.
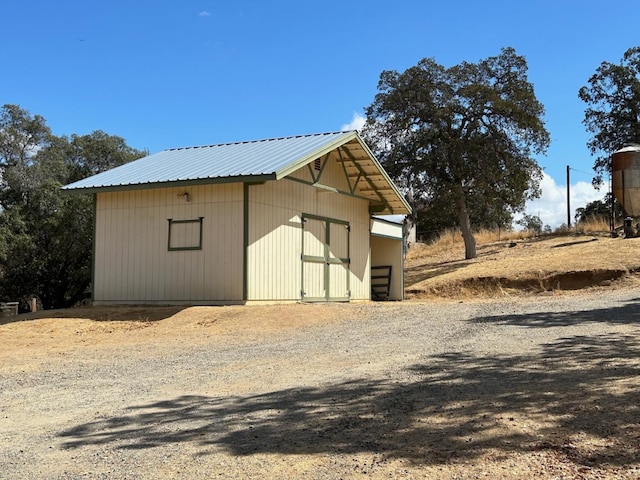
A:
{"points": [[284, 219]]}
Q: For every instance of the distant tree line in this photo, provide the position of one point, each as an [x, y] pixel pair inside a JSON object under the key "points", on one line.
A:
{"points": [[46, 235]]}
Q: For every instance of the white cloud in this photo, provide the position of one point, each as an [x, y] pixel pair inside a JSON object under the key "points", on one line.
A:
{"points": [[357, 122], [204, 13], [551, 207]]}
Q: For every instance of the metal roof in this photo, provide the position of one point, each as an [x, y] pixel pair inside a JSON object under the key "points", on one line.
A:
{"points": [[631, 147], [260, 160]]}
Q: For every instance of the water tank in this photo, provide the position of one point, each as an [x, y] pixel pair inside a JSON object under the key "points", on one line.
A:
{"points": [[625, 178]]}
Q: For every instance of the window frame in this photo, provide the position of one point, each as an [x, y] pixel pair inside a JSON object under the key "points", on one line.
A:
{"points": [[172, 222]]}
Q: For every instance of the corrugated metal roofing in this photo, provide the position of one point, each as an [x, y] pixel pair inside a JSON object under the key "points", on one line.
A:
{"points": [[632, 147], [259, 160], [224, 161]]}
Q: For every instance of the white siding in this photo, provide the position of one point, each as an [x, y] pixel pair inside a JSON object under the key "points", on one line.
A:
{"points": [[133, 263], [388, 251], [385, 229], [275, 234]]}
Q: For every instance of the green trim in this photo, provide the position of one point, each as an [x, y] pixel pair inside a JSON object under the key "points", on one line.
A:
{"points": [[332, 261], [313, 259], [348, 259], [389, 222], [323, 164], [313, 175], [385, 175], [325, 149], [323, 299], [302, 222], [327, 253], [367, 179], [352, 188], [325, 219], [245, 240], [377, 235], [93, 248], [402, 256], [195, 247], [177, 183], [326, 259], [329, 189]]}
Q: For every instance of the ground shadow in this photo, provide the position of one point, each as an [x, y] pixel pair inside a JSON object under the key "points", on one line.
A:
{"points": [[577, 242], [419, 273], [627, 313], [102, 314], [455, 405]]}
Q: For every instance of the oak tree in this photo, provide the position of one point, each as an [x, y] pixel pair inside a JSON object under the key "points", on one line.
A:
{"points": [[46, 235], [612, 116], [463, 134]]}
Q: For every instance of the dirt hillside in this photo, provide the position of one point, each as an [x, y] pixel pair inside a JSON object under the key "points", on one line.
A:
{"points": [[522, 267]]}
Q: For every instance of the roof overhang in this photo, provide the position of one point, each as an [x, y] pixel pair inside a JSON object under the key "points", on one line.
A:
{"points": [[365, 176], [255, 179], [257, 162]]}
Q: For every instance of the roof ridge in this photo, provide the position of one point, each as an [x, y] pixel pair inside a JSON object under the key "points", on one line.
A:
{"points": [[257, 141]]}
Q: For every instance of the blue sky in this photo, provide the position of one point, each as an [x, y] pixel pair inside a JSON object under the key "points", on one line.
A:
{"points": [[166, 74]]}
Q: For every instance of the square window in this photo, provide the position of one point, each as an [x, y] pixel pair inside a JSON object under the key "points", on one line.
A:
{"points": [[185, 234]]}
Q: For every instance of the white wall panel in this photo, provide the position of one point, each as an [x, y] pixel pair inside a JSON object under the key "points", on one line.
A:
{"points": [[388, 251], [383, 228], [133, 263], [275, 236]]}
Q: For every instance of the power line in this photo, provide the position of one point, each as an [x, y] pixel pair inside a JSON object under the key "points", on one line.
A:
{"points": [[580, 171]]}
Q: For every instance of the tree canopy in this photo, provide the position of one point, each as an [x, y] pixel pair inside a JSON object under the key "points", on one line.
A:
{"points": [[531, 223], [46, 235], [612, 116], [464, 135], [600, 210]]}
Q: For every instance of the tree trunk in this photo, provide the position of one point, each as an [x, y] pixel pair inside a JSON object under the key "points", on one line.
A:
{"points": [[465, 225], [409, 223]]}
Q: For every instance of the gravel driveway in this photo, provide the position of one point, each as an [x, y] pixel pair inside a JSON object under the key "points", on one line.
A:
{"points": [[541, 386]]}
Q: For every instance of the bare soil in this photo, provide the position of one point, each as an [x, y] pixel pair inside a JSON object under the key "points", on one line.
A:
{"points": [[508, 389], [523, 267]]}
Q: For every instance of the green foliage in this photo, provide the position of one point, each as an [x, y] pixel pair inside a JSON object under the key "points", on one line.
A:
{"points": [[600, 210], [531, 223], [462, 136], [613, 109], [46, 235], [20, 136]]}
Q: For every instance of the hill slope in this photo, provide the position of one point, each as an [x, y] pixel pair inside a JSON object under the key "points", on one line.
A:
{"points": [[533, 266]]}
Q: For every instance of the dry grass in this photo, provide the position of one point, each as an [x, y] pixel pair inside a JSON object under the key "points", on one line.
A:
{"points": [[513, 263], [451, 239], [597, 225]]}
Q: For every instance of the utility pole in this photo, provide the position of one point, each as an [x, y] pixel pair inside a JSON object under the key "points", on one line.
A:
{"points": [[568, 201]]}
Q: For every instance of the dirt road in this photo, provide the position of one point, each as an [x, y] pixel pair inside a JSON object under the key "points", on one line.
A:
{"points": [[514, 388]]}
